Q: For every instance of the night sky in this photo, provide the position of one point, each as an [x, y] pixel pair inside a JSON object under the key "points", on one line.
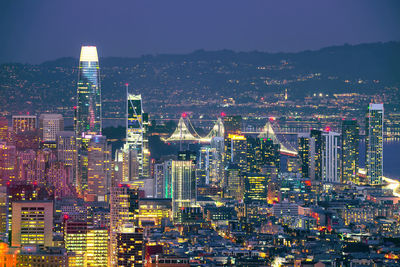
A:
{"points": [[37, 30]]}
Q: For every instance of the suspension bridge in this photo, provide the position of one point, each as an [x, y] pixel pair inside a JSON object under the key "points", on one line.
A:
{"points": [[185, 132]]}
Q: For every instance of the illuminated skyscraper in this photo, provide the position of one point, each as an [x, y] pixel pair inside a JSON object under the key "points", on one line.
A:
{"points": [[163, 179], [233, 184], [233, 124], [49, 126], [8, 160], [331, 157], [130, 246], [255, 187], [184, 185], [75, 240], [99, 156], [350, 144], [32, 223], [88, 114], [97, 247], [67, 153], [124, 206], [24, 123], [374, 143], [236, 150], [3, 129]]}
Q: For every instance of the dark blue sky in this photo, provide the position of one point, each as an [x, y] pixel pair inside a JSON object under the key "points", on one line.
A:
{"points": [[38, 30]]}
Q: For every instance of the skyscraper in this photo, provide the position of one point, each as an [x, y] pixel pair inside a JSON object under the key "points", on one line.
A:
{"points": [[130, 246], [88, 114], [136, 132], [99, 156], [32, 223], [374, 143], [184, 185], [350, 144], [331, 157], [23, 123], [66, 151], [88, 110], [49, 126], [3, 129], [124, 206]]}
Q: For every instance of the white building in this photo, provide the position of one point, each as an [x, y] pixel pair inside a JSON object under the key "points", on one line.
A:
{"points": [[331, 157]]}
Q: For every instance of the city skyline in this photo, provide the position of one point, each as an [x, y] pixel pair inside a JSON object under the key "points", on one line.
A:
{"points": [[212, 158]]}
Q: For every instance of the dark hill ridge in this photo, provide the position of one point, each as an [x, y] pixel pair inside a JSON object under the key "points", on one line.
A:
{"points": [[380, 59], [202, 79]]}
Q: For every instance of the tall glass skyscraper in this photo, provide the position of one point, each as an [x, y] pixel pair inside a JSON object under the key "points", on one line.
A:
{"points": [[88, 113], [374, 144], [350, 144], [136, 122]]}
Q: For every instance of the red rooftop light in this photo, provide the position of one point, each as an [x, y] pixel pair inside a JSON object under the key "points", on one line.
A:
{"points": [[223, 114], [327, 129], [184, 114]]}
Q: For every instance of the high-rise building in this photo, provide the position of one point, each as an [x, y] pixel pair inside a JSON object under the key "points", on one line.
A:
{"points": [[232, 124], [374, 143], [262, 152], [66, 152], [130, 246], [32, 223], [331, 157], [23, 123], [184, 184], [124, 206], [233, 184], [97, 247], [318, 143], [3, 214], [3, 129], [99, 169], [49, 126], [75, 240], [236, 150], [350, 146], [88, 113], [163, 179], [136, 139], [8, 160], [256, 187]]}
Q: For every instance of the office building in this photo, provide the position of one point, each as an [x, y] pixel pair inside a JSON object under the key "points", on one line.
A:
{"points": [[23, 123], [8, 160], [233, 183], [32, 223], [374, 143], [49, 126], [232, 124], [3, 129], [256, 187], [184, 184], [75, 240], [236, 150], [4, 208], [136, 139], [97, 247], [99, 169], [88, 109], [130, 246], [124, 207], [350, 154], [331, 157], [67, 152]]}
